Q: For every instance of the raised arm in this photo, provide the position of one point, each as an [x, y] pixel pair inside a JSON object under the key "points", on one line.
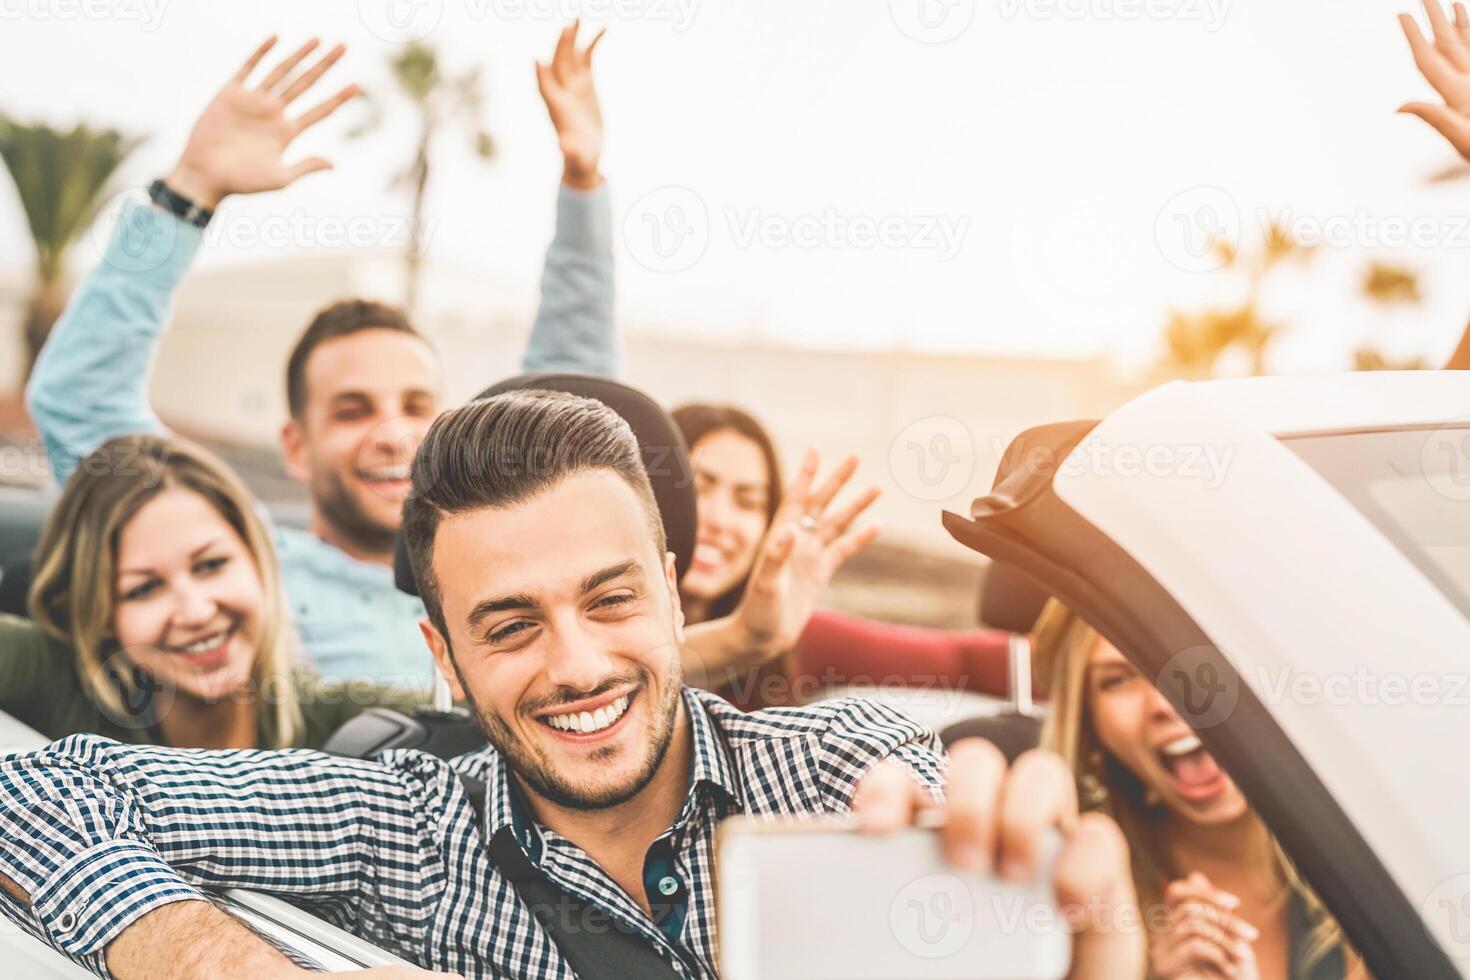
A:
{"points": [[91, 380], [94, 836], [1444, 61], [574, 328]]}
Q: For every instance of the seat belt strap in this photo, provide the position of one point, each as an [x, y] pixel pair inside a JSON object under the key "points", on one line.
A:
{"points": [[594, 943]]}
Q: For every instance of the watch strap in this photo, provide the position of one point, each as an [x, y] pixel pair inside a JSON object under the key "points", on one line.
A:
{"points": [[178, 205]]}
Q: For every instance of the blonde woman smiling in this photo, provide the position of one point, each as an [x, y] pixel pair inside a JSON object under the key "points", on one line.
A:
{"points": [[158, 616]]}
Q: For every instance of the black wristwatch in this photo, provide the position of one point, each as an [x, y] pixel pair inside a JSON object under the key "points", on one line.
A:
{"points": [[178, 205]]}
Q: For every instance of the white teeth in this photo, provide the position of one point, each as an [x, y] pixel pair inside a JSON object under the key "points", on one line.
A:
{"points": [[387, 473], [585, 721], [1183, 745], [208, 643], [708, 554]]}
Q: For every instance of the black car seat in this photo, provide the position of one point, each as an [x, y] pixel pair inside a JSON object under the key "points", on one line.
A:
{"points": [[1010, 600], [447, 731], [22, 512]]}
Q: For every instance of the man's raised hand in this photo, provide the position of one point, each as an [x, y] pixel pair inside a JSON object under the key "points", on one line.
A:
{"points": [[1445, 64], [995, 820], [238, 144], [571, 100]]}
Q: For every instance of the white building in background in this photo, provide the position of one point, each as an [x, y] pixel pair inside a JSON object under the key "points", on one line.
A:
{"points": [[928, 427]]}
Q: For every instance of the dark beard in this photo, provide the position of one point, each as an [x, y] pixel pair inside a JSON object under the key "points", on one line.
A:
{"points": [[545, 782], [347, 519]]}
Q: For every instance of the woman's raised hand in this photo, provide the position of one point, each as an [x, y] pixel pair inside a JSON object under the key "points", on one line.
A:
{"points": [[1444, 62], [807, 542], [1205, 938]]}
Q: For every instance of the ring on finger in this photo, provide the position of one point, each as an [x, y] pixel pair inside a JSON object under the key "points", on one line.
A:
{"points": [[807, 522]]}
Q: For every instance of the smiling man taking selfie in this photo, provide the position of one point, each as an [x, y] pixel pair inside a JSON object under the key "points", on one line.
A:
{"points": [[551, 601]]}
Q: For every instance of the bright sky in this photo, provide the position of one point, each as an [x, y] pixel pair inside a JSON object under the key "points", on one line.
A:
{"points": [[986, 175]]}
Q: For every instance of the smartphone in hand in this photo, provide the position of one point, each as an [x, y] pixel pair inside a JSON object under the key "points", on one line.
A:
{"points": [[816, 900]]}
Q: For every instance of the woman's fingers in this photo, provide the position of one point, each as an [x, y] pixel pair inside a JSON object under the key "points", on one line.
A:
{"points": [[1192, 955], [839, 551], [1447, 122], [837, 524], [587, 51], [1214, 924], [817, 503], [1199, 888], [794, 500]]}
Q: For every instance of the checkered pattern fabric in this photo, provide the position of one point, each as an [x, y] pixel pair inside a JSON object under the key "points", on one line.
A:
{"points": [[99, 833]]}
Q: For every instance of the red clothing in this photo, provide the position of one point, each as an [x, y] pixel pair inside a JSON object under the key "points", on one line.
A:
{"points": [[840, 649]]}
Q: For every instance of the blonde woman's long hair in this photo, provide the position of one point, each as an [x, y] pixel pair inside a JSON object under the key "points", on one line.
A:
{"points": [[73, 594], [1063, 651]]}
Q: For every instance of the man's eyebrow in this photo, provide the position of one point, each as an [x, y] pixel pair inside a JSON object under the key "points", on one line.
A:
{"points": [[607, 575], [488, 607]]}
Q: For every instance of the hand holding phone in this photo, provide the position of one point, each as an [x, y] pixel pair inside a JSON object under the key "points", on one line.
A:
{"points": [[1004, 836]]}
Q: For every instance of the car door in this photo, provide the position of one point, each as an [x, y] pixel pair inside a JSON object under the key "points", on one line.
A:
{"points": [[1230, 586]]}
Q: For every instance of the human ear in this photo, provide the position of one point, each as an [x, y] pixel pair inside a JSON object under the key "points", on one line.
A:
{"points": [[443, 659], [293, 450], [672, 580]]}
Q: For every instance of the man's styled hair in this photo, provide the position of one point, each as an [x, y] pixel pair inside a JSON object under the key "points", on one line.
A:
{"points": [[504, 451], [345, 317]]}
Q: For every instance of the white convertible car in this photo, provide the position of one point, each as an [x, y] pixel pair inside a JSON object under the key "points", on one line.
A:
{"points": [[1290, 557]]}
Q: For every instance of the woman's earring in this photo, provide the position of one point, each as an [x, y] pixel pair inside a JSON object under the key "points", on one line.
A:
{"points": [[1094, 793]]}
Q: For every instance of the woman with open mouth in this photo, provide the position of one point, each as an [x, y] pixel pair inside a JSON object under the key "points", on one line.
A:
{"points": [[157, 614], [1220, 898]]}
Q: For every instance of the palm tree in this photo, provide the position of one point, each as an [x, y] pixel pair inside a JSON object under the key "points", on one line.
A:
{"points": [[1389, 286], [1195, 342], [439, 101], [62, 180]]}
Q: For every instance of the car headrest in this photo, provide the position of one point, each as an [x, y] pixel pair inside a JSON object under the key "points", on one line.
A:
{"points": [[665, 457], [1010, 599]]}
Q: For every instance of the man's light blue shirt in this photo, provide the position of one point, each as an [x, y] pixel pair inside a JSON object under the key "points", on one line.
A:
{"points": [[91, 384]]}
